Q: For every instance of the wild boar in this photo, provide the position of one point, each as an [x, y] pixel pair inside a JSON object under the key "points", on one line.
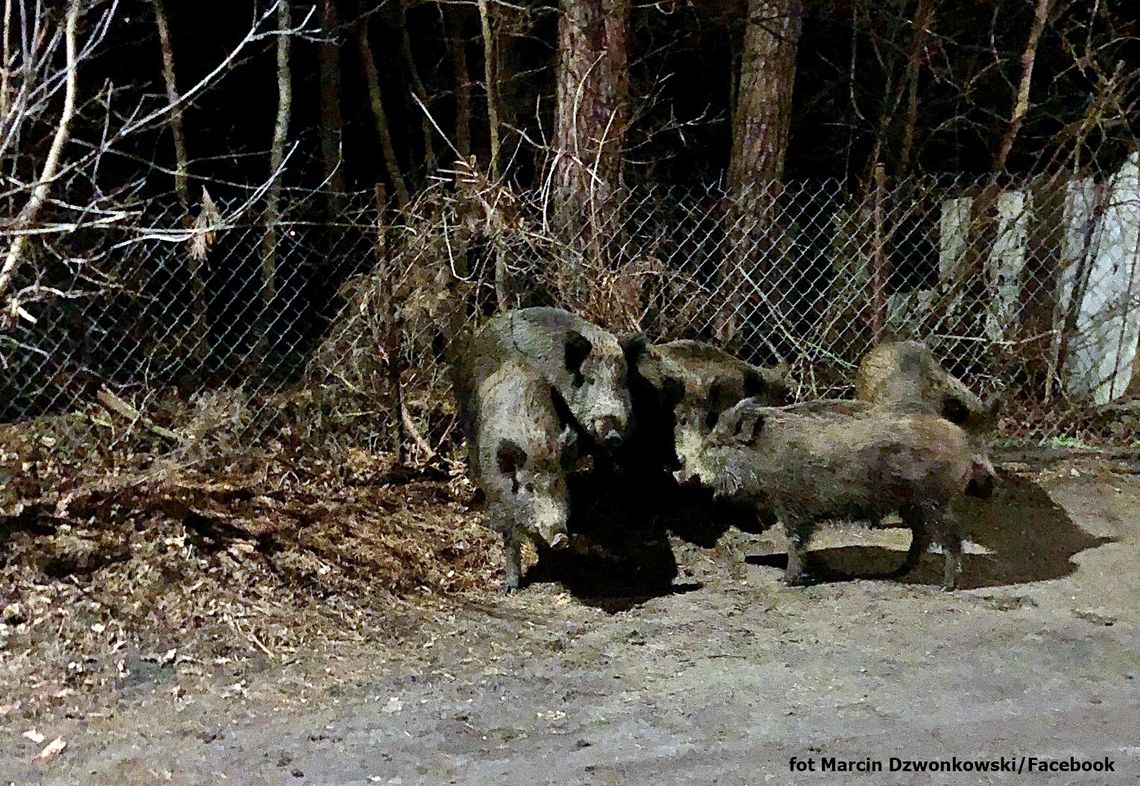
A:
{"points": [[906, 374], [809, 467], [680, 388], [523, 450]]}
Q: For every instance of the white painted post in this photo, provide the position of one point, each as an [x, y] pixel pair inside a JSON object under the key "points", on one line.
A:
{"points": [[1103, 350]]}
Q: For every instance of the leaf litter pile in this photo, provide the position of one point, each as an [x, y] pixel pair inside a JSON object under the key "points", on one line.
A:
{"points": [[129, 547]]}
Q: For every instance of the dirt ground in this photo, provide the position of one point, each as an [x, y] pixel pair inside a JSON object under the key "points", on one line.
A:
{"points": [[723, 680]]}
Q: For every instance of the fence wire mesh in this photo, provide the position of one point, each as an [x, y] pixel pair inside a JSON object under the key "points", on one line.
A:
{"points": [[335, 319]]}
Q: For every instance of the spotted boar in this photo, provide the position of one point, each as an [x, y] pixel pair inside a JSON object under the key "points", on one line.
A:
{"points": [[523, 449]]}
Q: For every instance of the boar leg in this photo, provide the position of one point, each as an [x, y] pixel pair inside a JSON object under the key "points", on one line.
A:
{"points": [[798, 536], [952, 548], [914, 518], [949, 538], [512, 558]]}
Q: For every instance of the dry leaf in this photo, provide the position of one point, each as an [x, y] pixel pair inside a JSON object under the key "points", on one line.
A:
{"points": [[205, 228], [34, 736], [52, 748]]}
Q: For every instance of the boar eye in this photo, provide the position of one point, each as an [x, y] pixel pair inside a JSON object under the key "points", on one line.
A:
{"points": [[530, 487]]}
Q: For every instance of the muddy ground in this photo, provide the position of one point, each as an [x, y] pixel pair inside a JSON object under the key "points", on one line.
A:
{"points": [[722, 680]]}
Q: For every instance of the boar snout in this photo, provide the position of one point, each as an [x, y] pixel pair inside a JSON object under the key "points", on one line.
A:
{"points": [[983, 481], [686, 478], [560, 541], [609, 429]]}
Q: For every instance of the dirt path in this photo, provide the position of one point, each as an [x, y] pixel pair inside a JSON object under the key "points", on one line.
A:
{"points": [[722, 682]]}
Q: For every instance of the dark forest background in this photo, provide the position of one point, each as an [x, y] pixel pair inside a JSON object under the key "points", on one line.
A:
{"points": [[916, 86]]}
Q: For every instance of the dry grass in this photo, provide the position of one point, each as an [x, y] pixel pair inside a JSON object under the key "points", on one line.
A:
{"points": [[120, 556]]}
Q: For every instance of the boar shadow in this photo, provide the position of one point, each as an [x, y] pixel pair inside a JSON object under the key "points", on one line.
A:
{"points": [[630, 559], [694, 515], [1029, 537]]}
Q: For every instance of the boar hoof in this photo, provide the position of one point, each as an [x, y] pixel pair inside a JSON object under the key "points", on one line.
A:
{"points": [[511, 585]]}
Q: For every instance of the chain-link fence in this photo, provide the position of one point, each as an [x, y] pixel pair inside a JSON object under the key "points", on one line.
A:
{"points": [[193, 326]]}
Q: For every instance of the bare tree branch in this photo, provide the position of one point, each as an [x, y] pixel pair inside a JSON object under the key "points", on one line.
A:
{"points": [[1022, 105], [489, 83], [379, 116], [63, 131]]}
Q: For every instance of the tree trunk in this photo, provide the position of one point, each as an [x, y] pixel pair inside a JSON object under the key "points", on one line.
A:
{"points": [[39, 193], [199, 308], [380, 116], [760, 126], [763, 110], [1021, 105], [181, 164], [277, 159], [491, 85], [591, 118], [6, 65], [457, 47], [490, 82], [331, 122], [924, 17], [418, 89]]}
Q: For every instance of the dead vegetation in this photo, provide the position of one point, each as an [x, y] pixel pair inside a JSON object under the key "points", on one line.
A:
{"points": [[177, 546]]}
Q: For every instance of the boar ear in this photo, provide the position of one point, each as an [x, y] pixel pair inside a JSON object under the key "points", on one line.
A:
{"points": [[713, 409], [955, 410], [566, 449], [510, 457], [578, 348], [721, 396], [754, 384], [748, 428], [715, 391], [780, 379], [647, 366]]}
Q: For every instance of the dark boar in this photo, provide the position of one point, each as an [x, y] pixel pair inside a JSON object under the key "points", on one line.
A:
{"points": [[679, 389], [583, 363], [812, 467], [523, 451], [905, 374]]}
